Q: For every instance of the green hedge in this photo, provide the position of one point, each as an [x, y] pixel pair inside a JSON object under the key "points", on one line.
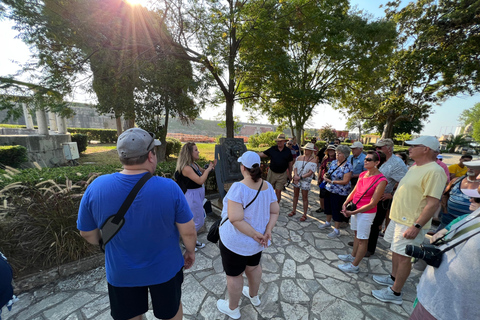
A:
{"points": [[173, 147], [102, 135], [81, 140], [13, 156]]}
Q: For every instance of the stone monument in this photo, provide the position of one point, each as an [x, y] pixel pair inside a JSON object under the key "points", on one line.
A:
{"points": [[227, 169]]}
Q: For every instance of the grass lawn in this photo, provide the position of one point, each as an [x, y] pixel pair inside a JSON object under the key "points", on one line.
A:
{"points": [[107, 153]]}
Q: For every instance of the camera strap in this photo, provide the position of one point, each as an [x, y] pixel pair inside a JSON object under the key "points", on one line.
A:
{"points": [[458, 235], [338, 166], [381, 175]]}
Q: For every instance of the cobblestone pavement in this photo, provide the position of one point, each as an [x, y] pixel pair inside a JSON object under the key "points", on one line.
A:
{"points": [[300, 281]]}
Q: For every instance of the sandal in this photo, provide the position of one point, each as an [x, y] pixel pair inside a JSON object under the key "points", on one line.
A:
{"points": [[303, 218], [291, 214]]}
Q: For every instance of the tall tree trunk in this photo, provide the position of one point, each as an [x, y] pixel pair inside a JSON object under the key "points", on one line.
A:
{"points": [[229, 117], [118, 122], [388, 128]]}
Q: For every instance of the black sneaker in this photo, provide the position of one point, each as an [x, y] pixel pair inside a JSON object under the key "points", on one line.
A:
{"points": [[319, 210]]}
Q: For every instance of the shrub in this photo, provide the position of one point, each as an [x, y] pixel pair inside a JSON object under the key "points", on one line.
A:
{"points": [[102, 135], [39, 230], [13, 156], [266, 138], [173, 147], [81, 140]]}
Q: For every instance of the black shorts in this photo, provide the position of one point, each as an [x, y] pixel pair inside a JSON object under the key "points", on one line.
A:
{"points": [[323, 192], [234, 264], [129, 302]]}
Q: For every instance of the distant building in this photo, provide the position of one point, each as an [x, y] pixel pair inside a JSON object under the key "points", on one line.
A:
{"points": [[251, 129]]}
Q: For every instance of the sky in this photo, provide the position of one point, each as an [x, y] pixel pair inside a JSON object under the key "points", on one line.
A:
{"points": [[444, 119]]}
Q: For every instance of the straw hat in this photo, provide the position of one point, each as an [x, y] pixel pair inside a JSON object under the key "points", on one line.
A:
{"points": [[281, 137], [309, 146]]}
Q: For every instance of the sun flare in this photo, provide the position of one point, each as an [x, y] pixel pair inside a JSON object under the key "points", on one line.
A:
{"points": [[137, 2]]}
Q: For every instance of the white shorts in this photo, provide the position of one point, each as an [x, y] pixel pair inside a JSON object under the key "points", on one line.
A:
{"points": [[394, 235], [303, 184], [362, 223]]}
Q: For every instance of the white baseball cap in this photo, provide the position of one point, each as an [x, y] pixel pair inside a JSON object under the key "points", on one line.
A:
{"points": [[356, 144], [427, 141], [249, 158]]}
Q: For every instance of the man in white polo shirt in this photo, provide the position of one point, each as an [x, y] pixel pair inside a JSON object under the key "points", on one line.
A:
{"points": [[414, 204]]}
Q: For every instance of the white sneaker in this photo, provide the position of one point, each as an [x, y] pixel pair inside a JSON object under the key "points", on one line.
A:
{"points": [[348, 267], [222, 306], [254, 300], [384, 280], [199, 245], [387, 295], [333, 234], [324, 226], [346, 257]]}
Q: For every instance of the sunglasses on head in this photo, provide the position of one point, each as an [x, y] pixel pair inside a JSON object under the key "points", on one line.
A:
{"points": [[369, 159]]}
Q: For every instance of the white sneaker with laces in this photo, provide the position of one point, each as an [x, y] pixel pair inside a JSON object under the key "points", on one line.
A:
{"points": [[325, 226], [387, 295], [384, 280], [199, 245], [222, 306], [254, 300], [333, 235], [346, 257], [348, 267]]}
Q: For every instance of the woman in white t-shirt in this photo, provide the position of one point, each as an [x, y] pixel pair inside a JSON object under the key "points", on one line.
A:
{"points": [[303, 169], [252, 210]]}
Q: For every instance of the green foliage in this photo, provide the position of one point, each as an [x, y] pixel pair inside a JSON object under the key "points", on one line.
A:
{"points": [[13, 156], [327, 133], [173, 147], [217, 138], [403, 137], [81, 140], [263, 139], [457, 141], [102, 135], [472, 116], [33, 176]]}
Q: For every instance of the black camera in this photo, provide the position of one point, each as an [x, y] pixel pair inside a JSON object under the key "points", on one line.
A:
{"points": [[328, 176], [428, 253], [351, 206]]}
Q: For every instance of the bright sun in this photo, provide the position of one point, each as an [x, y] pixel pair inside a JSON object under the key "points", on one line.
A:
{"points": [[137, 2]]}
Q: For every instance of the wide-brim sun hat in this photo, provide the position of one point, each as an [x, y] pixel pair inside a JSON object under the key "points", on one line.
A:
{"points": [[331, 147], [281, 137], [249, 158], [475, 165], [309, 146]]}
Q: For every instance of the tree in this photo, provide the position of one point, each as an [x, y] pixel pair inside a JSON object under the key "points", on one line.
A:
{"points": [[472, 116], [117, 42], [237, 126], [211, 34], [403, 137], [457, 141], [327, 133], [315, 45], [445, 33]]}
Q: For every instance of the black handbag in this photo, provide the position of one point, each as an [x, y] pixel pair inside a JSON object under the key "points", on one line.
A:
{"points": [[214, 231], [351, 206], [115, 222]]}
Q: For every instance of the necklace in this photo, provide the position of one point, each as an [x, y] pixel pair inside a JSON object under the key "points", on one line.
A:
{"points": [[469, 180]]}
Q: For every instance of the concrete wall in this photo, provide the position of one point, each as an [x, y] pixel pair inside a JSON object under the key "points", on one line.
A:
{"points": [[46, 150]]}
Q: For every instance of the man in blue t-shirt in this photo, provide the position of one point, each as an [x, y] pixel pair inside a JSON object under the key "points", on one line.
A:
{"points": [[356, 159], [145, 254]]}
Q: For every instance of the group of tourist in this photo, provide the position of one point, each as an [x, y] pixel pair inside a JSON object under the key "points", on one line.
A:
{"points": [[362, 187]]}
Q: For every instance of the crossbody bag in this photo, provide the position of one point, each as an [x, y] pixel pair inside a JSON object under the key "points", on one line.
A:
{"points": [[115, 222]]}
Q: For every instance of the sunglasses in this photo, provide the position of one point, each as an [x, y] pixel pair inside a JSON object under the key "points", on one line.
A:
{"points": [[368, 159]]}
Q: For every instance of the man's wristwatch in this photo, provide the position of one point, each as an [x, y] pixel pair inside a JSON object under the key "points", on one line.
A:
{"points": [[416, 225]]}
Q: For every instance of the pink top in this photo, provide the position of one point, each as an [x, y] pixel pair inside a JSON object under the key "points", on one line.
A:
{"points": [[445, 167], [362, 185]]}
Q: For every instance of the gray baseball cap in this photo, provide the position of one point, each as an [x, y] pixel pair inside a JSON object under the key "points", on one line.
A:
{"points": [[135, 142]]}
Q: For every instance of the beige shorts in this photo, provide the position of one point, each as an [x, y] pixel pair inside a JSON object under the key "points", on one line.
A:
{"points": [[394, 235], [277, 180]]}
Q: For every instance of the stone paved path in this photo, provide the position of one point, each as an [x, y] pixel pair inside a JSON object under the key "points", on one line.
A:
{"points": [[300, 281]]}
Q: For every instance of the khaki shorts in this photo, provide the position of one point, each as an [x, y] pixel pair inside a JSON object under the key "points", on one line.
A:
{"points": [[277, 180], [394, 235]]}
